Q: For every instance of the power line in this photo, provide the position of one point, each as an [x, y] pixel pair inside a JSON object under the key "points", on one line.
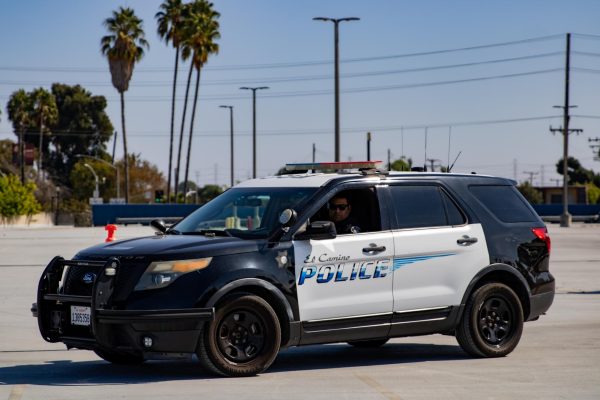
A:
{"points": [[586, 36], [590, 70], [278, 132], [586, 53], [294, 64], [305, 77], [144, 99]]}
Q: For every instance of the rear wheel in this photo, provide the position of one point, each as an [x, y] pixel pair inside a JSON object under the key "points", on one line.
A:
{"points": [[119, 358], [368, 343], [492, 322], [243, 340]]}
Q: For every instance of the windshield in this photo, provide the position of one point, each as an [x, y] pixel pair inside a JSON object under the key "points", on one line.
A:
{"points": [[249, 213]]}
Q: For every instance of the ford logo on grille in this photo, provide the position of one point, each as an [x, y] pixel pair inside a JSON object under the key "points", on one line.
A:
{"points": [[88, 278]]}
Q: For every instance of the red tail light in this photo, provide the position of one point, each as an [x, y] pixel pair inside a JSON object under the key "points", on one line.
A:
{"points": [[542, 234]]}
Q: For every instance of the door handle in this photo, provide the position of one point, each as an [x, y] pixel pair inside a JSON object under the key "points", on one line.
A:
{"points": [[373, 249], [466, 241]]}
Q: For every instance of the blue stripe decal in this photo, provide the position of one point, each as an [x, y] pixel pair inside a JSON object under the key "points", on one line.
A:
{"points": [[401, 262]]}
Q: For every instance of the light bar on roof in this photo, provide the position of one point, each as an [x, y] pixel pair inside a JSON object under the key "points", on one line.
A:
{"points": [[333, 166]]}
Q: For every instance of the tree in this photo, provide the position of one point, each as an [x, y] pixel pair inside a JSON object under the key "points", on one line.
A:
{"points": [[532, 195], [19, 112], [170, 25], [146, 178], [16, 198], [575, 172], [45, 114], [201, 28], [83, 127], [208, 192], [401, 164], [123, 47], [6, 156]]}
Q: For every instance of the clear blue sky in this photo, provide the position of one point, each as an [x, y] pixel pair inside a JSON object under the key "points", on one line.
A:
{"points": [[58, 41]]}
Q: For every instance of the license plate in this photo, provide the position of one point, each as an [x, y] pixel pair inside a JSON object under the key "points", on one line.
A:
{"points": [[80, 315]]}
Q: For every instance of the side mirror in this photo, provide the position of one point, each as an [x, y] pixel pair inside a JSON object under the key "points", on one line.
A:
{"points": [[159, 225], [287, 217], [318, 230]]}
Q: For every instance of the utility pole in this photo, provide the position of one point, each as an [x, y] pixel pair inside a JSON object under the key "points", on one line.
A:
{"points": [[389, 160], [336, 22], [565, 218], [314, 153], [254, 89], [425, 163], [230, 139], [595, 147], [542, 175], [531, 175], [368, 146], [515, 169]]}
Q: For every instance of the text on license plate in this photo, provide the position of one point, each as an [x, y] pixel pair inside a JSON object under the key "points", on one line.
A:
{"points": [[80, 315]]}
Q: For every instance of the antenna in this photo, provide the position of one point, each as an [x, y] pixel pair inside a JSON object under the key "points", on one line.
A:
{"points": [[452, 166]]}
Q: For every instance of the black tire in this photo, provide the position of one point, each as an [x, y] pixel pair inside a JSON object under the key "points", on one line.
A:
{"points": [[492, 323], [119, 358], [243, 340], [368, 343]]}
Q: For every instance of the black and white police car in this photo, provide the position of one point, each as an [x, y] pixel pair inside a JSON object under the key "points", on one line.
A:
{"points": [[261, 268]]}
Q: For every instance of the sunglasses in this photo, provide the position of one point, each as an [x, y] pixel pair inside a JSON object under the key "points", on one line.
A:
{"points": [[341, 207]]}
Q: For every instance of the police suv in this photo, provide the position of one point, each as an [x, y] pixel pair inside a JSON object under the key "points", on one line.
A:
{"points": [[262, 267]]}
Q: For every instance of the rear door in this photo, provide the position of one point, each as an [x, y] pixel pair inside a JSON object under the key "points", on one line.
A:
{"points": [[437, 251]]}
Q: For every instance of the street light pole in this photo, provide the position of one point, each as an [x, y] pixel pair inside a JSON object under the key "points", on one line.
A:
{"points": [[96, 191], [336, 22], [254, 89], [231, 138], [107, 163]]}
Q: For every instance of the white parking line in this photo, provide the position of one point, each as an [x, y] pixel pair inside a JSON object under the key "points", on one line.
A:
{"points": [[16, 392]]}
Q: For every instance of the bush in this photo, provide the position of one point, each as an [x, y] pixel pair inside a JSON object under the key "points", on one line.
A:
{"points": [[593, 193], [16, 199]]}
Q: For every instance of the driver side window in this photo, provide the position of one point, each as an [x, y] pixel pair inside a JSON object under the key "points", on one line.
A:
{"points": [[352, 211]]}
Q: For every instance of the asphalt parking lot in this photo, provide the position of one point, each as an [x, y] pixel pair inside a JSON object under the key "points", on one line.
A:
{"points": [[558, 357]]}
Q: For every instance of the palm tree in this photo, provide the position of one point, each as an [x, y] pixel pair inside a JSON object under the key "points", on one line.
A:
{"points": [[19, 112], [45, 112], [202, 30], [169, 21], [123, 47]]}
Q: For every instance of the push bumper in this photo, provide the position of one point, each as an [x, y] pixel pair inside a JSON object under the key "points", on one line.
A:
{"points": [[126, 331]]}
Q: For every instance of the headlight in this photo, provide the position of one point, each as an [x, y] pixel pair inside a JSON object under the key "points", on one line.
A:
{"points": [[162, 273]]}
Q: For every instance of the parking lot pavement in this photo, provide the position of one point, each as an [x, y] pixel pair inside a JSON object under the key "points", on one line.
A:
{"points": [[557, 358]]}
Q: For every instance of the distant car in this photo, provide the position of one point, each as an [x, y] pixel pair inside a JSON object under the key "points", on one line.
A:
{"points": [[260, 268]]}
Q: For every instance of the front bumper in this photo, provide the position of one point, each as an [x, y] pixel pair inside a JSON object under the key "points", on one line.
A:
{"points": [[120, 330]]}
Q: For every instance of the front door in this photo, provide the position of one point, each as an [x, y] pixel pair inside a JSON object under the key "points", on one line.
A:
{"points": [[350, 275]]}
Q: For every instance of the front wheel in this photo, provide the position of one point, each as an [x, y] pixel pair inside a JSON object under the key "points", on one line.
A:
{"points": [[492, 322], [243, 340]]}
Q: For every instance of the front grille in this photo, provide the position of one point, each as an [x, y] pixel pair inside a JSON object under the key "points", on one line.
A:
{"points": [[75, 283]]}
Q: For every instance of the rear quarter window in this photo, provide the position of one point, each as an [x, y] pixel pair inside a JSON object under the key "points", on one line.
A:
{"points": [[505, 202]]}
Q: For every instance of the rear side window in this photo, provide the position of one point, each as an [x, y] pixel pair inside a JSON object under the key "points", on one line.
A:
{"points": [[424, 206], [504, 202]]}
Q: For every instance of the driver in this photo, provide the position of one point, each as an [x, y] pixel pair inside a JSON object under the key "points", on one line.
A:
{"points": [[339, 213]]}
